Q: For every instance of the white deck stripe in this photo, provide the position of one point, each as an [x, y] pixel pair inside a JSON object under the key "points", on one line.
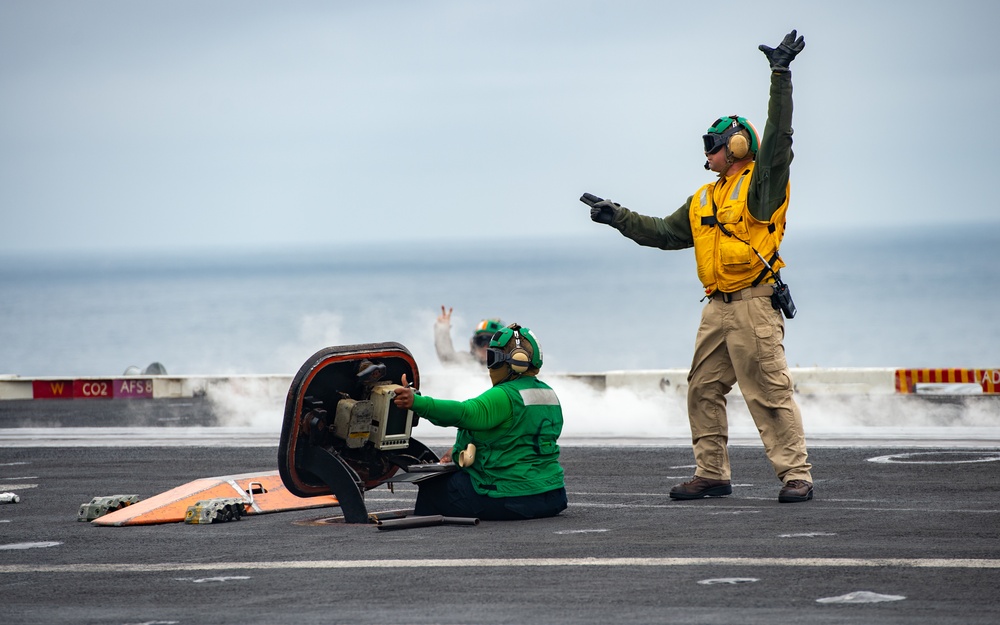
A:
{"points": [[91, 568], [679, 507]]}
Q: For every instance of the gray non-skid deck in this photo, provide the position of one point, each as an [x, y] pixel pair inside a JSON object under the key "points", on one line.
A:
{"points": [[913, 533]]}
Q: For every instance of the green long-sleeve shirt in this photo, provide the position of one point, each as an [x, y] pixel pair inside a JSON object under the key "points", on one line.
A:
{"points": [[485, 412], [767, 183], [514, 426]]}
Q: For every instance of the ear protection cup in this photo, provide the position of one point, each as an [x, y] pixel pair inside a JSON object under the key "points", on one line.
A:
{"points": [[519, 360], [738, 146]]}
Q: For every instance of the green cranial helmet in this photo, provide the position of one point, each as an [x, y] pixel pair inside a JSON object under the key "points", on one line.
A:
{"points": [[485, 331], [724, 132], [516, 346]]}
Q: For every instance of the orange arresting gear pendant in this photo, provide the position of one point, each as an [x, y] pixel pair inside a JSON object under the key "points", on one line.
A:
{"points": [[261, 492]]}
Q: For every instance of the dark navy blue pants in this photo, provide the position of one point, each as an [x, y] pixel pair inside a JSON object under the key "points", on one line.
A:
{"points": [[453, 495]]}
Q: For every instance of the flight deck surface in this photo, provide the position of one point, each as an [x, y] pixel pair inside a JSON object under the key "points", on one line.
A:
{"points": [[896, 534]]}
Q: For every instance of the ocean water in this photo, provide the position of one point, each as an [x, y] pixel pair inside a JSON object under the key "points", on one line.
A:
{"points": [[909, 297]]}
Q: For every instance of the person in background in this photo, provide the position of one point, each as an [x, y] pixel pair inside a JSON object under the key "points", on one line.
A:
{"points": [[506, 449], [734, 224], [477, 343]]}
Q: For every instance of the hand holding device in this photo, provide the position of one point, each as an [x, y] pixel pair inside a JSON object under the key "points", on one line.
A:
{"points": [[602, 211], [403, 397]]}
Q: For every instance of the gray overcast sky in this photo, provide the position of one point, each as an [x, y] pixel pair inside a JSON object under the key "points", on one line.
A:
{"points": [[189, 124]]}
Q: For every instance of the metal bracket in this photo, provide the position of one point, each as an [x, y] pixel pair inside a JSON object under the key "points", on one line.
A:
{"points": [[347, 487]]}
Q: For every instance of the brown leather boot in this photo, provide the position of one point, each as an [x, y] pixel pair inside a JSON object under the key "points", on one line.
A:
{"points": [[701, 487], [796, 490]]}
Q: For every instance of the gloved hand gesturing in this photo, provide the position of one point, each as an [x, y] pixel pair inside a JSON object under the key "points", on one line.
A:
{"points": [[781, 56], [603, 212]]}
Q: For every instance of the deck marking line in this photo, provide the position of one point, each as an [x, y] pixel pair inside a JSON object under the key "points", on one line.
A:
{"points": [[907, 458], [699, 507], [124, 567]]}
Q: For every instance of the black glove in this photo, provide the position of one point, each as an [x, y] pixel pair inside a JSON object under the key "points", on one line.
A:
{"points": [[604, 211], [784, 53]]}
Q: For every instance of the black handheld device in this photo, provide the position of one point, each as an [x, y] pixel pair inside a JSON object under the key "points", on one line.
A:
{"points": [[590, 199], [782, 300]]}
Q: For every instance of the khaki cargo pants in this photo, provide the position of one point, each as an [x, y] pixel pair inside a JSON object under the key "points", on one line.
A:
{"points": [[741, 341]]}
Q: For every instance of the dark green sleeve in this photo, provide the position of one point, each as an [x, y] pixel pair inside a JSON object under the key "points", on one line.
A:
{"points": [[479, 413], [770, 176], [672, 232]]}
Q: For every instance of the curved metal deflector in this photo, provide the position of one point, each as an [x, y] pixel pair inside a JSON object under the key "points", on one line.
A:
{"points": [[341, 433]]}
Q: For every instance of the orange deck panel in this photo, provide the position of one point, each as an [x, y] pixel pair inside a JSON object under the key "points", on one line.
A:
{"points": [[269, 495]]}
